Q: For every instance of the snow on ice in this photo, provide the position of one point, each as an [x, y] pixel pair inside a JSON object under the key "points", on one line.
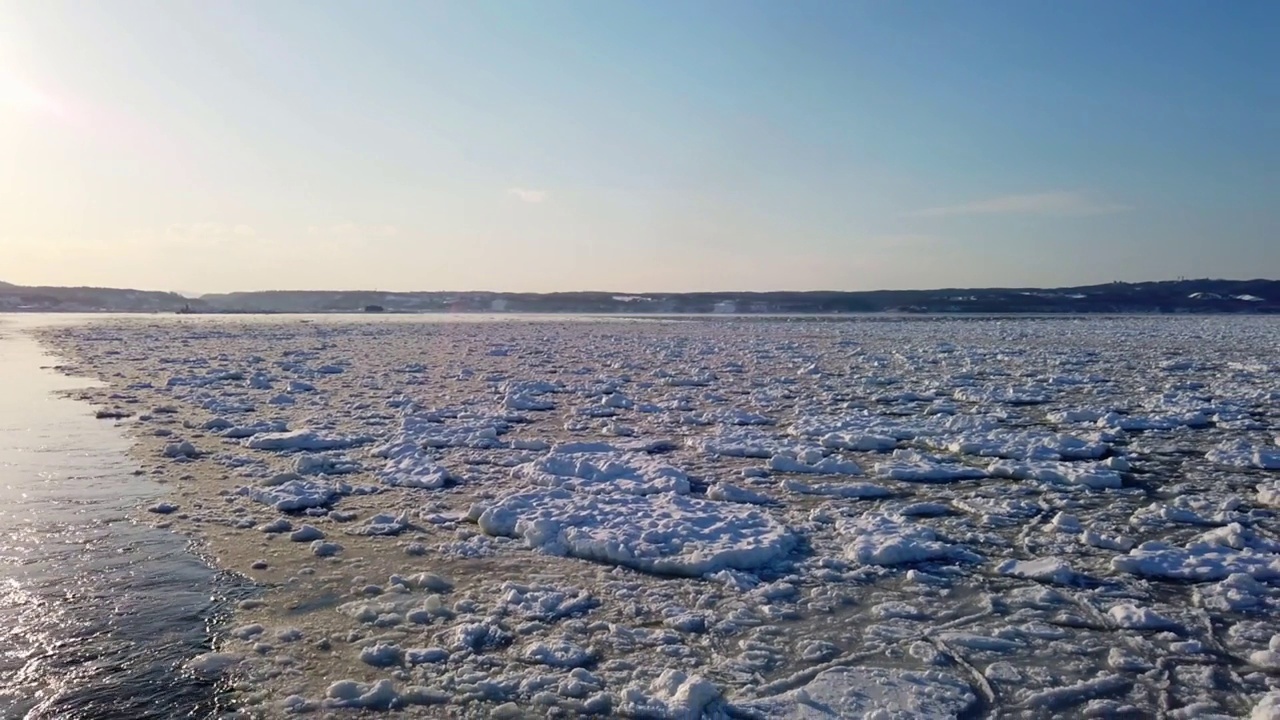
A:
{"points": [[811, 518]]}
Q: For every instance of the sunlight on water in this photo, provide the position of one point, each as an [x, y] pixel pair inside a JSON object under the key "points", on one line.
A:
{"points": [[98, 612]]}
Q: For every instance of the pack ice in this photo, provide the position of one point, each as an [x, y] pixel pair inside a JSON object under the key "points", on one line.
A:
{"points": [[829, 517]]}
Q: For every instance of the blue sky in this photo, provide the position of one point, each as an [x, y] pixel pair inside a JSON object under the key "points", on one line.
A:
{"points": [[637, 146]]}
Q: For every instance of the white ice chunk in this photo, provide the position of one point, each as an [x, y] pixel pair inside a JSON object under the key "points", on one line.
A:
{"points": [[747, 444], [239, 432], [914, 466], [1079, 415], [447, 429], [881, 539], [545, 602], [380, 695], [1132, 617], [211, 665], [1268, 707], [1266, 659], [297, 495], [725, 492], [1005, 395], [1093, 475], [301, 440], [1047, 570], [673, 696], [1269, 493], [1012, 445], [736, 416], [1120, 543], [1199, 561], [321, 548], [383, 524], [788, 462], [558, 653], [664, 534], [925, 509], [381, 655], [1241, 454], [1190, 510], [526, 401], [183, 449], [1062, 522], [841, 490], [629, 473], [587, 447], [1239, 537], [1117, 421], [858, 442], [414, 468], [1238, 593], [306, 534], [324, 465], [425, 656]]}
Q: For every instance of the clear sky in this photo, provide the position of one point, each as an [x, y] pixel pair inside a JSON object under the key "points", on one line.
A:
{"points": [[600, 144]]}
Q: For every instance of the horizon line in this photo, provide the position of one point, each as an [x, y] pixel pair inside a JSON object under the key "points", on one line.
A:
{"points": [[4, 286]]}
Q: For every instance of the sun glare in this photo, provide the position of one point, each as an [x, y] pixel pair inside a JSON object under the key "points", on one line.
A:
{"points": [[24, 98]]}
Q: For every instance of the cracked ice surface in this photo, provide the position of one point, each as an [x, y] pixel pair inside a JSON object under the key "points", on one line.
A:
{"points": [[722, 518]]}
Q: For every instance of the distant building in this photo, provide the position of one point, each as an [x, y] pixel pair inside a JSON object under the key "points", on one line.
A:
{"points": [[725, 307], [374, 308], [499, 305]]}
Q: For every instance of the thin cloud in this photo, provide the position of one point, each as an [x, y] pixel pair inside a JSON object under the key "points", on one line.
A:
{"points": [[207, 230], [1063, 203], [350, 229], [529, 196]]}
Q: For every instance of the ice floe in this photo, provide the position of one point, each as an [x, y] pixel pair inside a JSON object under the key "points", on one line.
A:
{"points": [[918, 467], [854, 693], [297, 494], [301, 440], [880, 539], [1091, 475], [1242, 454], [665, 534], [604, 472]]}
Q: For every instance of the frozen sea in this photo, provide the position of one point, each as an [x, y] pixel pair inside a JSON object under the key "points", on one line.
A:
{"points": [[502, 516]]}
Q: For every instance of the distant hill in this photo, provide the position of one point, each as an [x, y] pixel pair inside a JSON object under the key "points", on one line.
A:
{"points": [[86, 299], [1171, 296]]}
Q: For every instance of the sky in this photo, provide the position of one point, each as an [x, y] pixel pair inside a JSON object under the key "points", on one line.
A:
{"points": [[522, 145]]}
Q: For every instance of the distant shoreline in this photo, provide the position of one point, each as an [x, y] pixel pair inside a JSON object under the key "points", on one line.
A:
{"points": [[1164, 297], [687, 316]]}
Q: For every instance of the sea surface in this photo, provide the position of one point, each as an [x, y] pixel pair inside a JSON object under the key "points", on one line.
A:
{"points": [[97, 613]]}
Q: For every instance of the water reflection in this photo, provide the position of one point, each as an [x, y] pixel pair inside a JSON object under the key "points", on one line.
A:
{"points": [[97, 614]]}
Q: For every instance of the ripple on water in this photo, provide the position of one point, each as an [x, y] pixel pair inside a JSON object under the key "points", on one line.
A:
{"points": [[97, 614]]}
